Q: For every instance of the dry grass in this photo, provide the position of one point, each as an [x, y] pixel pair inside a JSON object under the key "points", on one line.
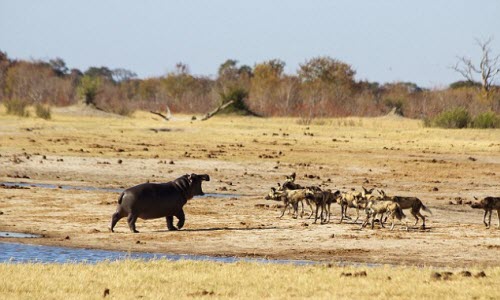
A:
{"points": [[188, 279]]}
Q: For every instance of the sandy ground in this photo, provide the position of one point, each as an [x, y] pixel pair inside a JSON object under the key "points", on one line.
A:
{"points": [[242, 156]]}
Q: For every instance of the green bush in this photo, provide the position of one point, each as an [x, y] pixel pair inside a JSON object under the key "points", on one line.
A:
{"points": [[456, 118], [238, 95], [16, 107], [43, 111], [486, 120]]}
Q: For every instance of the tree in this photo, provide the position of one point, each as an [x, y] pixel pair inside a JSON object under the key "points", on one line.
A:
{"points": [[327, 84], [327, 70], [58, 66], [29, 81], [120, 75], [88, 89], [233, 78], [266, 82], [101, 72], [488, 68]]}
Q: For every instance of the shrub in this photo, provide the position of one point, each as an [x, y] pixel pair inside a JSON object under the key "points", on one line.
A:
{"points": [[456, 118], [238, 95], [16, 107], [43, 111], [486, 120]]}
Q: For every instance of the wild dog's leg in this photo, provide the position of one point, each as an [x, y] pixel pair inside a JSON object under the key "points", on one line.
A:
{"points": [[489, 219], [393, 221], [357, 214], [323, 212], [484, 218], [285, 206], [170, 223], [132, 217], [341, 213], [374, 215], [316, 213], [414, 214], [302, 212], [498, 214], [295, 210], [330, 212], [381, 217], [423, 219], [310, 207]]}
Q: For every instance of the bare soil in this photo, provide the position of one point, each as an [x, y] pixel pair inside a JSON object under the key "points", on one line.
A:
{"points": [[246, 156]]}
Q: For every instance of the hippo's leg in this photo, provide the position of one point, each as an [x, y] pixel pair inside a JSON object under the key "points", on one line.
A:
{"points": [[180, 215], [114, 219], [132, 217], [170, 223]]}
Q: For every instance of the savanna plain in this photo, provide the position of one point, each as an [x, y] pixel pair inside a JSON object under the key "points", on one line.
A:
{"points": [[245, 157]]}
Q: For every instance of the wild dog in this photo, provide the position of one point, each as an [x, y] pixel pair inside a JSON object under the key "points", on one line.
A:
{"points": [[330, 197], [295, 186], [488, 204], [412, 203], [319, 200], [351, 199], [290, 184], [380, 207], [289, 197]]}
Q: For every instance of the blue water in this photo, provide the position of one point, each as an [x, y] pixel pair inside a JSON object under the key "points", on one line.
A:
{"points": [[98, 189], [4, 234], [22, 253]]}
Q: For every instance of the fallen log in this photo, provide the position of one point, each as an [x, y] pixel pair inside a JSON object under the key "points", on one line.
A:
{"points": [[165, 117], [215, 111]]}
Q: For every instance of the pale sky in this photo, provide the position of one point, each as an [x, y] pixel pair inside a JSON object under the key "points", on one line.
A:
{"points": [[384, 41]]}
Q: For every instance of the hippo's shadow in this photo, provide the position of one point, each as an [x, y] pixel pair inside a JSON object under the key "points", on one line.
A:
{"points": [[224, 229]]}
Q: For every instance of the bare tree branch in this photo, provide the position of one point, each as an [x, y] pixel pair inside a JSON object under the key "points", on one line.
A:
{"points": [[488, 68]]}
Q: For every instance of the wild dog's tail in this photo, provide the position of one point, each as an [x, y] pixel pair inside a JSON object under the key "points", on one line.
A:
{"points": [[425, 208], [399, 214], [120, 198]]}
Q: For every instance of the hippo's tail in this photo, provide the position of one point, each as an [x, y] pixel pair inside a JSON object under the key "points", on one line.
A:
{"points": [[121, 197]]}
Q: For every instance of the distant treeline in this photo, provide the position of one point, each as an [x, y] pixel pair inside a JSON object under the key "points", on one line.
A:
{"points": [[322, 87]]}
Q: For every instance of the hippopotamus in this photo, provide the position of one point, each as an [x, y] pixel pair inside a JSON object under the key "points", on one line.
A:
{"points": [[157, 200]]}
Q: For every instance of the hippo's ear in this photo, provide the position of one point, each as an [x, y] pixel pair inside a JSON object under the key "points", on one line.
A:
{"points": [[205, 177]]}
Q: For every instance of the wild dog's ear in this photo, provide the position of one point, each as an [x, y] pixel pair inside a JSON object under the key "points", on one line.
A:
{"points": [[273, 189], [279, 185]]}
